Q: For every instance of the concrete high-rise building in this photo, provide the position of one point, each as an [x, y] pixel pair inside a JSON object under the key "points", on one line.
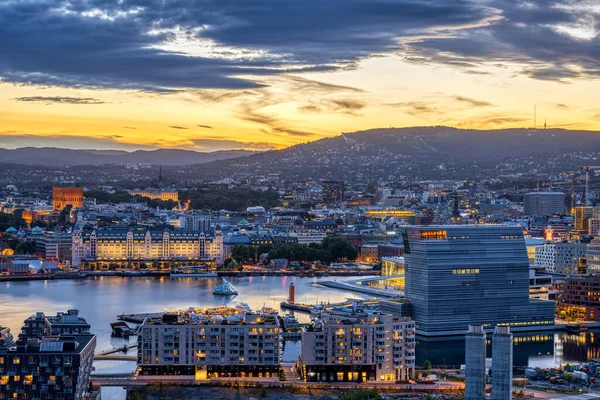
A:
{"points": [[592, 257], [594, 226], [65, 196], [475, 373], [502, 363], [583, 214], [544, 203], [195, 221], [461, 275], [561, 258]]}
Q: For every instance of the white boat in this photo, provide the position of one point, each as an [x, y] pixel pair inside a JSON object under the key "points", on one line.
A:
{"points": [[193, 272], [289, 320], [243, 306], [225, 289]]}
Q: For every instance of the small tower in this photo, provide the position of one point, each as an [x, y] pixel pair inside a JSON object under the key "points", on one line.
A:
{"points": [[160, 177]]}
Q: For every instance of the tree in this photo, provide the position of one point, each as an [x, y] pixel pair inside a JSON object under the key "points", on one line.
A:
{"points": [[241, 252], [25, 248], [427, 365]]}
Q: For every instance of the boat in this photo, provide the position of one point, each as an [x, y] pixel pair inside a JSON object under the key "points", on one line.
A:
{"points": [[584, 328], [70, 275], [268, 311], [225, 289], [573, 328], [134, 273], [289, 320], [192, 271], [243, 306]]}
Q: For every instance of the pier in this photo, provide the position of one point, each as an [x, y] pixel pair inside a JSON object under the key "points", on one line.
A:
{"points": [[352, 286], [307, 308], [138, 318]]}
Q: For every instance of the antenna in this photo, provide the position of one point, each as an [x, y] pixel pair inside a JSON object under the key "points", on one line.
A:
{"points": [[545, 123]]}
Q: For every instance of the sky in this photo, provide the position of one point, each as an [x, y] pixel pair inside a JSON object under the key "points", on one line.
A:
{"points": [[212, 75]]}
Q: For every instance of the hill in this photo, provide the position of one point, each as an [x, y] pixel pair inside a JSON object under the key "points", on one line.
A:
{"points": [[421, 152], [51, 156]]}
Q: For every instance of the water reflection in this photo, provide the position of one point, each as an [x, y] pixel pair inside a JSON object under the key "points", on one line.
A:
{"points": [[101, 299], [543, 350]]}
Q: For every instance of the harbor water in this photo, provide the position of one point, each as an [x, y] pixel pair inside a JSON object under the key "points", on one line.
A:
{"points": [[101, 299]]}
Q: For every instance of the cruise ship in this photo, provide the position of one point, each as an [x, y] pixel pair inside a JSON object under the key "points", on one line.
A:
{"points": [[225, 289]]}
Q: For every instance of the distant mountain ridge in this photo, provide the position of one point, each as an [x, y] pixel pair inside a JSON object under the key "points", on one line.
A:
{"points": [[51, 156], [429, 152]]}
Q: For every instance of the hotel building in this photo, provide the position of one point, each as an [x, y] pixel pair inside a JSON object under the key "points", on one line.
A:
{"points": [[358, 348], [120, 246], [463, 275], [221, 342]]}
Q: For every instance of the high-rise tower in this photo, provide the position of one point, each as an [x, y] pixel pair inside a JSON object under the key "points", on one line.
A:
{"points": [[475, 363], [502, 363]]}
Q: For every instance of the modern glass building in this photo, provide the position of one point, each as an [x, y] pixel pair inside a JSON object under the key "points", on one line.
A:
{"points": [[463, 275]]}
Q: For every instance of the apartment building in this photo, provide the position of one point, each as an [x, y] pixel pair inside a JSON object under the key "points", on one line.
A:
{"points": [[356, 347], [221, 342], [41, 325], [47, 368], [46, 362]]}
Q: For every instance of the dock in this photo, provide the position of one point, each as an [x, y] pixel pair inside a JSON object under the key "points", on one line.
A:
{"points": [[138, 318], [361, 288], [307, 308]]}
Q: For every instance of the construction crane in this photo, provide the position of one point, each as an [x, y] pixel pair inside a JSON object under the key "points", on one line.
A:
{"points": [[587, 170]]}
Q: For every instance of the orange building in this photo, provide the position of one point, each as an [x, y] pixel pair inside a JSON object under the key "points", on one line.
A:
{"points": [[63, 196]]}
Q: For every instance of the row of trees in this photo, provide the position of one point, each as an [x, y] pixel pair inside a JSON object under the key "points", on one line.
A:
{"points": [[329, 250], [14, 220], [211, 198], [233, 199]]}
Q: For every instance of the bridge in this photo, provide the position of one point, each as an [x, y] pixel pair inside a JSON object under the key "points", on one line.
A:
{"points": [[114, 357]]}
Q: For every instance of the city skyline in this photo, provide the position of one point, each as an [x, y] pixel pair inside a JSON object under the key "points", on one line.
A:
{"points": [[261, 75]]}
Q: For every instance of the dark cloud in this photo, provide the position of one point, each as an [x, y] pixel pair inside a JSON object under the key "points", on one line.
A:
{"points": [[226, 144], [60, 100], [205, 126], [415, 108], [113, 43], [539, 35], [177, 127], [473, 102], [346, 106]]}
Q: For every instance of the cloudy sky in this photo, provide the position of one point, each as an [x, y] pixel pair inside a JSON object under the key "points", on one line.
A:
{"points": [[261, 74]]}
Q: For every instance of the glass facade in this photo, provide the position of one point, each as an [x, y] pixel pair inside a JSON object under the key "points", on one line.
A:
{"points": [[458, 276]]}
